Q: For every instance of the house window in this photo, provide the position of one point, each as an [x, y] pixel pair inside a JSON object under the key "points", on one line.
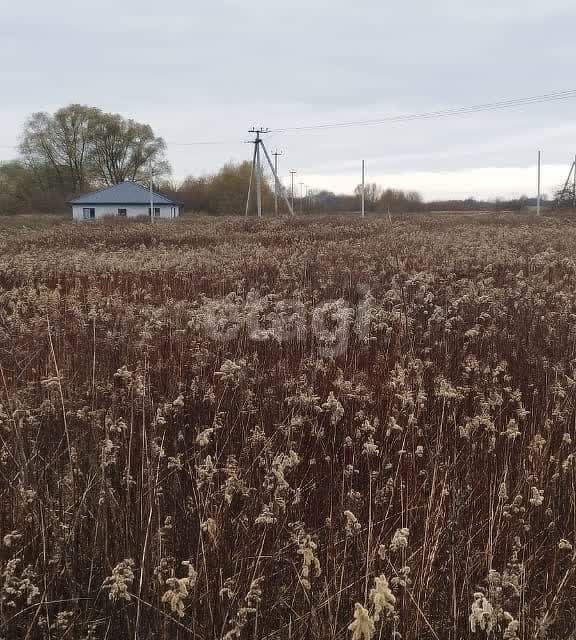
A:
{"points": [[122, 213], [89, 212], [156, 211]]}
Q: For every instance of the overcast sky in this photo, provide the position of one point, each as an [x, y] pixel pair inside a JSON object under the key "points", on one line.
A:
{"points": [[206, 70]]}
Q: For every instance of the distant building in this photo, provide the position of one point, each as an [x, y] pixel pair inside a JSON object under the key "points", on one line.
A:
{"points": [[124, 200]]}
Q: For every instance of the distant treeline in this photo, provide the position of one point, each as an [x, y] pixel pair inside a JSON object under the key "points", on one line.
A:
{"points": [[471, 204], [224, 192]]}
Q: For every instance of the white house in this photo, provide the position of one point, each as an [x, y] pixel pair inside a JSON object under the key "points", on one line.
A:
{"points": [[124, 200]]}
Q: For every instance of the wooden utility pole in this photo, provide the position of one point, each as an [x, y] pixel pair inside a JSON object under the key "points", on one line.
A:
{"points": [[292, 173]]}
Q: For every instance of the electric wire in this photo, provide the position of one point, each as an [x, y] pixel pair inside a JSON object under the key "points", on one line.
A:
{"points": [[487, 107], [444, 113]]}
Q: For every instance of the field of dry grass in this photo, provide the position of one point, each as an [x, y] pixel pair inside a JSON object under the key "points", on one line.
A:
{"points": [[230, 429]]}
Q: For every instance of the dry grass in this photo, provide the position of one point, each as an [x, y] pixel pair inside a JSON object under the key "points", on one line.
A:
{"points": [[304, 429]]}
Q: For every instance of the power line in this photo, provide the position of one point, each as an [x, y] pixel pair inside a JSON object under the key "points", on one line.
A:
{"points": [[202, 143], [444, 113], [509, 103], [170, 144], [208, 142], [427, 115]]}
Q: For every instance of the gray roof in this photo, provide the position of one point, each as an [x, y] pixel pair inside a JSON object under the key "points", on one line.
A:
{"points": [[123, 193]]}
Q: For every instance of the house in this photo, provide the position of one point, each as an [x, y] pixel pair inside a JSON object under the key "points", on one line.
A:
{"points": [[124, 200]]}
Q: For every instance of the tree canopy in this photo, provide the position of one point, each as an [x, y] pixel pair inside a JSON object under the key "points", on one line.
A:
{"points": [[223, 192]]}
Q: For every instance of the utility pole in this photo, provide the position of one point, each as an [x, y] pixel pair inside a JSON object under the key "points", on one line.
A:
{"points": [[256, 171], [258, 168], [363, 187], [301, 197], [564, 195], [151, 191], [280, 185], [258, 179], [539, 184], [292, 173], [574, 186], [276, 154]]}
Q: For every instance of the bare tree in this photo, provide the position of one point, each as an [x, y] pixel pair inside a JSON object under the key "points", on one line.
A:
{"points": [[123, 150], [62, 142], [372, 193], [396, 200], [79, 146], [223, 192]]}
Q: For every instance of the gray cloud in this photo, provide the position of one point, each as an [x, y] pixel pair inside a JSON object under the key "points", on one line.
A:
{"points": [[209, 71]]}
